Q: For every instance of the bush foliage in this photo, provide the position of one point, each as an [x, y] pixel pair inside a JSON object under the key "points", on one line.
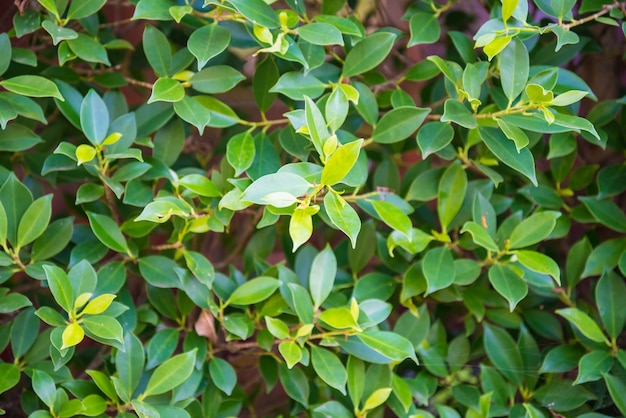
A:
{"points": [[312, 208]]}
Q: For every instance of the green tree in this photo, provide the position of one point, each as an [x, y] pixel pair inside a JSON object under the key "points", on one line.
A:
{"points": [[201, 203]]}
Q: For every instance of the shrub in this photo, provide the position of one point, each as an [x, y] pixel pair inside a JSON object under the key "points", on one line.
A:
{"points": [[263, 208]]}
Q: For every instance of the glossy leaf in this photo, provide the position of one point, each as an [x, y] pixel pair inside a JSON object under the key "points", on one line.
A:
{"points": [[535, 228], [514, 69], [368, 53], [424, 28], [343, 216], [452, 189], [610, 292], [108, 232], [480, 235], [172, 373], [398, 124], [32, 86], [583, 322], [322, 276], [254, 291], [508, 282], [439, 269], [506, 152], [540, 263], [503, 353], [34, 221], [341, 162], [223, 375], [208, 42]]}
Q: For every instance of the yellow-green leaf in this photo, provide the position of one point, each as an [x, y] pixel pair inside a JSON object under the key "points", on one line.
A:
{"points": [[72, 335], [99, 304]]}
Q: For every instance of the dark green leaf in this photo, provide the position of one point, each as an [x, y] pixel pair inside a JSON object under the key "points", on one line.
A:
{"points": [[107, 231], [433, 137], [503, 353], [297, 85], [451, 193], [88, 49], [610, 293], [506, 151], [223, 375], [322, 276]]}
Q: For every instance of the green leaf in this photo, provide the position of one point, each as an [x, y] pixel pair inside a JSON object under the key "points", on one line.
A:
{"points": [[480, 236], [496, 46], [339, 318], [610, 294], [158, 271], [200, 185], [508, 282], [208, 42], [272, 183], [604, 256], [265, 76], [291, 352], [129, 365], [425, 29], [80, 9], [58, 33], [297, 86], [44, 387], [5, 45], [171, 374], [617, 388], [13, 302], [88, 49], [223, 375], [329, 368], [393, 216], [433, 137], [104, 326], [240, 152], [606, 212], [514, 69], [389, 344], [451, 193], [153, 10], [503, 353], [316, 125], [583, 322], [398, 124], [320, 33], [457, 112], [94, 118], [72, 335], [254, 291], [322, 276], [506, 152], [533, 229], [514, 133], [34, 221], [15, 199], [368, 53], [343, 216], [341, 162], [16, 137], [157, 50], [10, 376], [3, 225], [277, 327], [166, 90], [189, 110], [300, 227], [508, 7], [256, 11], [60, 286], [295, 383], [377, 398], [216, 79], [108, 232], [540, 263], [33, 86], [439, 269], [611, 180], [593, 365]]}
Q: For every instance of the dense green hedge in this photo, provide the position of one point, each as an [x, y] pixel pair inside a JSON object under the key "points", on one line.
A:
{"points": [[303, 208]]}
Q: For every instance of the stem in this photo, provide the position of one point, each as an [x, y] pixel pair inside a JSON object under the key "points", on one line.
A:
{"points": [[605, 9]]}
